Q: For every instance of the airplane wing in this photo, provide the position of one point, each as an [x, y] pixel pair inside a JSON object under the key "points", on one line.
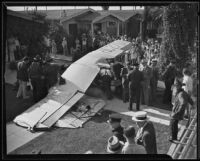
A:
{"points": [[79, 75]]}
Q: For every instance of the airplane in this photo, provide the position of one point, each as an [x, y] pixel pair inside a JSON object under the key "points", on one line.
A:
{"points": [[61, 98]]}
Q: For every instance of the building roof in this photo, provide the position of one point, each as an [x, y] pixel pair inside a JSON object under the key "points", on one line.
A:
{"points": [[77, 14], [123, 15], [56, 14], [23, 16]]}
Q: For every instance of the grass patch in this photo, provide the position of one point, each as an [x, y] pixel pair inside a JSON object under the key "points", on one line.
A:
{"points": [[93, 136]]}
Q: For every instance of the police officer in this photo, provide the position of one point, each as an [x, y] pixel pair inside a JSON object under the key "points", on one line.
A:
{"points": [[36, 76], [135, 81], [115, 123]]}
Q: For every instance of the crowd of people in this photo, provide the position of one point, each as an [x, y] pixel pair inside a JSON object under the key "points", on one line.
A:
{"points": [[133, 77], [128, 141], [41, 73]]}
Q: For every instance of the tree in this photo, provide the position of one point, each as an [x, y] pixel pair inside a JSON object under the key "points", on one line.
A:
{"points": [[179, 30]]}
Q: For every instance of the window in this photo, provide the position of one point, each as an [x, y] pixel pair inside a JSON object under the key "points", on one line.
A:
{"points": [[111, 24]]}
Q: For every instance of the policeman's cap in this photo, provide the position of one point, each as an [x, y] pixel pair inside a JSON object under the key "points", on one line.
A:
{"points": [[114, 118]]}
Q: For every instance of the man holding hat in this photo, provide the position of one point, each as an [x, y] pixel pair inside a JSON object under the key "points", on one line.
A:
{"points": [[135, 78], [181, 101], [117, 129], [146, 134]]}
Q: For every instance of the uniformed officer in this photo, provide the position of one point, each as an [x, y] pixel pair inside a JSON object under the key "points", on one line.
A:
{"points": [[135, 78], [117, 129]]}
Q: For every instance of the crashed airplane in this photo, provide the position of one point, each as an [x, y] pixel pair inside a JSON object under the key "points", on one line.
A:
{"points": [[54, 108]]}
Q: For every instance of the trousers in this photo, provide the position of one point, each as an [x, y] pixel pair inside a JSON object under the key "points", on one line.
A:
{"points": [[22, 89], [134, 97], [174, 128]]}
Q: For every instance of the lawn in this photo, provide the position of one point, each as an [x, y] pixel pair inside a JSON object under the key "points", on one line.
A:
{"points": [[93, 136]]}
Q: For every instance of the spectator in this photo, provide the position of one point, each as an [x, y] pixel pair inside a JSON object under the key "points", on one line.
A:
{"points": [[135, 78], [187, 87], [54, 48], [17, 49], [65, 47], [147, 73], [22, 76], [146, 135], [180, 104], [154, 80], [36, 76], [115, 123], [114, 145], [130, 147], [125, 83], [169, 76]]}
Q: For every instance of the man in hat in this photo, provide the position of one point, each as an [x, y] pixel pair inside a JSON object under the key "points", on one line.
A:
{"points": [[36, 76], [115, 123], [114, 145], [181, 101], [146, 134], [135, 78], [22, 76], [130, 147], [154, 80], [169, 76]]}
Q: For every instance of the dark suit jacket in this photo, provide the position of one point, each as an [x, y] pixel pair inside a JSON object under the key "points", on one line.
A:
{"points": [[148, 139], [135, 78]]}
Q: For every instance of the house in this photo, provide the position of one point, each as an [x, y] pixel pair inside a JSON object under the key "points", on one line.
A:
{"points": [[27, 28], [114, 22]]}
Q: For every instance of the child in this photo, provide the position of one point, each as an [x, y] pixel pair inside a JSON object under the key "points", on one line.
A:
{"points": [[130, 147]]}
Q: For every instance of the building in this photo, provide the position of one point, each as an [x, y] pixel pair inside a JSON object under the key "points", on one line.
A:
{"points": [[27, 28], [114, 22]]}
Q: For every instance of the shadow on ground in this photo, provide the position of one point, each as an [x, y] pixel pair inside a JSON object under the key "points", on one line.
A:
{"points": [[14, 106]]}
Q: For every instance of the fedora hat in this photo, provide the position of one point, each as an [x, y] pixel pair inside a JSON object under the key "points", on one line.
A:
{"points": [[140, 116], [114, 145]]}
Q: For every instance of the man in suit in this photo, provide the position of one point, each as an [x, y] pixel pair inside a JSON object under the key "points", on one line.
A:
{"points": [[146, 134], [135, 78], [154, 80]]}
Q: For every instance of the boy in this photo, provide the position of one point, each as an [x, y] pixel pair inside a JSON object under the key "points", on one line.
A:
{"points": [[130, 146]]}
